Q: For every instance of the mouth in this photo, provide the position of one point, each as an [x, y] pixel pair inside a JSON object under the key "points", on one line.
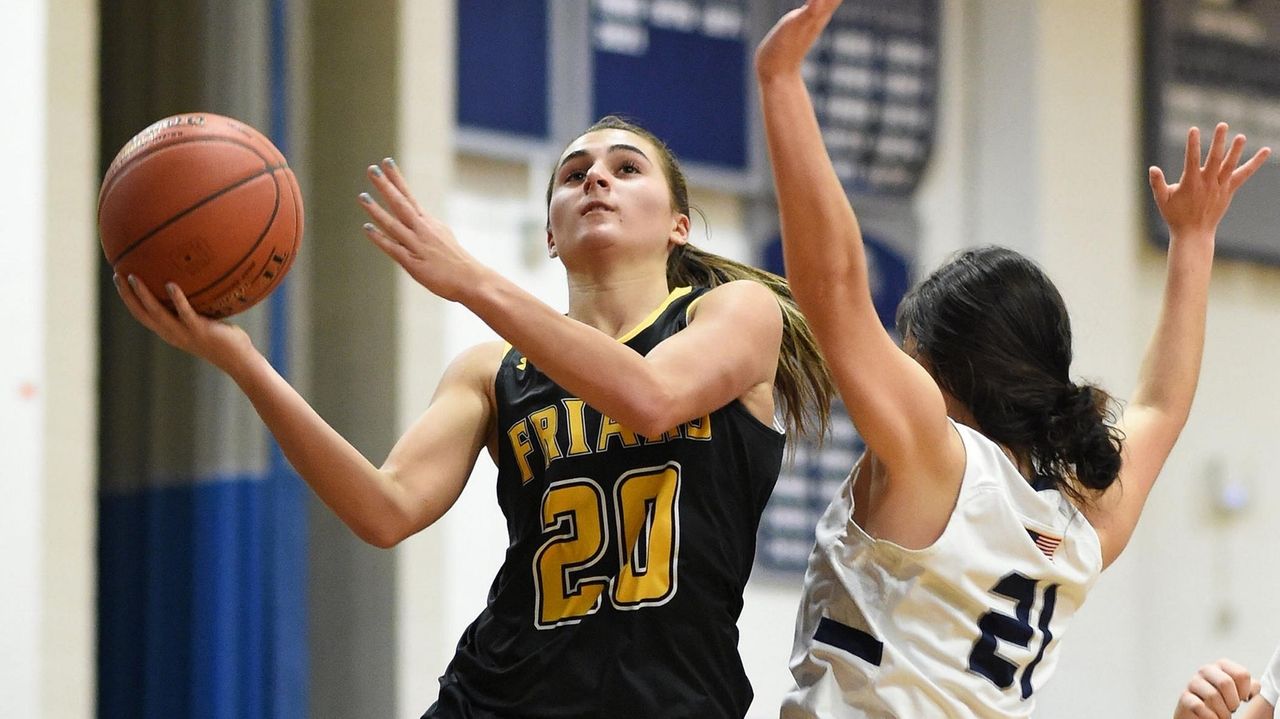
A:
{"points": [[594, 206]]}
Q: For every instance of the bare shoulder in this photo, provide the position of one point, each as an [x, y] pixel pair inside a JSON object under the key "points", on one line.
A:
{"points": [[478, 364], [742, 300]]}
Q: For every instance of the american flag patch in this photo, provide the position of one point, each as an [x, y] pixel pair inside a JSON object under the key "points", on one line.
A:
{"points": [[1046, 543]]}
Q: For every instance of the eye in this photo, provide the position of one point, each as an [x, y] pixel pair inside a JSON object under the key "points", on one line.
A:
{"points": [[575, 176], [629, 168]]}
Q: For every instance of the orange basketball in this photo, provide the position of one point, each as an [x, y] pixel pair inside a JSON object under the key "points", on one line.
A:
{"points": [[206, 202]]}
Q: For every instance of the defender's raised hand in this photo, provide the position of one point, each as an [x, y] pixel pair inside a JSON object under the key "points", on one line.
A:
{"points": [[782, 51], [1200, 198]]}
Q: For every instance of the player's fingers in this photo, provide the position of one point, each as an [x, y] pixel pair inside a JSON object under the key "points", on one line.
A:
{"points": [[163, 321], [397, 202], [1241, 680], [132, 303], [392, 227], [1245, 171], [1223, 683], [1208, 693], [1159, 187], [1190, 705], [185, 311], [1233, 158], [392, 171], [1191, 160], [395, 250], [1217, 147], [822, 9], [148, 301], [1255, 688]]}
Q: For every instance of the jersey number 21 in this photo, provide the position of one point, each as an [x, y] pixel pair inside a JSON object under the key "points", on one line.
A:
{"points": [[1017, 629]]}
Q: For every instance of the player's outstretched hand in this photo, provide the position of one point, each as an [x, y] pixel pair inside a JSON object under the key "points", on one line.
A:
{"points": [[1196, 203], [1216, 690], [216, 341], [782, 51], [417, 241]]}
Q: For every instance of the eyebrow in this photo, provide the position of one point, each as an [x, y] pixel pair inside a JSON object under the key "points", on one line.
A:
{"points": [[612, 148]]}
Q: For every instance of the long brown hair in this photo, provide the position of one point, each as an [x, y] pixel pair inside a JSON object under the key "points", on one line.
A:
{"points": [[802, 381], [998, 337]]}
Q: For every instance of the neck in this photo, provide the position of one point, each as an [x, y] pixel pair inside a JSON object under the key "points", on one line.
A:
{"points": [[618, 301]]}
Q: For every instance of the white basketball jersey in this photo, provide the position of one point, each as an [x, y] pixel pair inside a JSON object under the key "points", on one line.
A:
{"points": [[968, 627], [1271, 681]]}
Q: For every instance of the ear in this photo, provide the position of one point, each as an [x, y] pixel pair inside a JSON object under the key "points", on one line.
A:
{"points": [[679, 234], [551, 246]]}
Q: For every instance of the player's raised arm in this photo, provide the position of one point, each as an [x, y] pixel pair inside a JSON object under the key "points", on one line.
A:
{"points": [[897, 407], [730, 347], [1170, 369]]}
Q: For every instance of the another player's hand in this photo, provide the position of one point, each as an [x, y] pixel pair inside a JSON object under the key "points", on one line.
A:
{"points": [[1196, 203], [782, 51], [419, 242], [1216, 690], [218, 342]]}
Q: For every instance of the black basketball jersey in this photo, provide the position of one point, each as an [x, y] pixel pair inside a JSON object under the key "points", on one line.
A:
{"points": [[622, 584]]}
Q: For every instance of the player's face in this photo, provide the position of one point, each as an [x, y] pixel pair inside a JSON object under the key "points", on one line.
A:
{"points": [[610, 190]]}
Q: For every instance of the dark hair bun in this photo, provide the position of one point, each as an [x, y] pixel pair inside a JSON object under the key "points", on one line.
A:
{"points": [[1081, 436]]}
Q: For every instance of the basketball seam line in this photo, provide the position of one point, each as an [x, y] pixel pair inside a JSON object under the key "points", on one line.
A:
{"points": [[143, 154], [275, 212], [268, 170]]}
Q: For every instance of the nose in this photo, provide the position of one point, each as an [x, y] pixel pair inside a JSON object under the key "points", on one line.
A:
{"points": [[597, 177]]}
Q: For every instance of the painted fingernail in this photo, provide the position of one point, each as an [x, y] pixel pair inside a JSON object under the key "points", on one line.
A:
{"points": [[389, 162], [171, 288], [133, 282], [368, 227], [364, 197], [377, 171]]}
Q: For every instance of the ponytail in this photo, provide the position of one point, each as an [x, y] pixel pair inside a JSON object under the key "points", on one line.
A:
{"points": [[1079, 445]]}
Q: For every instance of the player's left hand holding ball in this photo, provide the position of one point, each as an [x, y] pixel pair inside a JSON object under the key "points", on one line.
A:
{"points": [[215, 341]]}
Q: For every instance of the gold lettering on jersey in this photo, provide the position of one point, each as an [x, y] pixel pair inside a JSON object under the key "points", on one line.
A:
{"points": [[610, 428], [520, 447], [545, 425], [673, 433], [562, 430], [699, 428], [577, 426]]}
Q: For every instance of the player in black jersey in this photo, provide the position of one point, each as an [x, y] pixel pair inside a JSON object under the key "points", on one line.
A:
{"points": [[634, 438]]}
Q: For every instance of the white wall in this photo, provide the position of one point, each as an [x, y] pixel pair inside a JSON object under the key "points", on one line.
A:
{"points": [[22, 372], [47, 390], [73, 264]]}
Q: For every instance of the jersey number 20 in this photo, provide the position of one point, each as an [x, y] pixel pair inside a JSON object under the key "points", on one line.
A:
{"points": [[646, 533], [1017, 630]]}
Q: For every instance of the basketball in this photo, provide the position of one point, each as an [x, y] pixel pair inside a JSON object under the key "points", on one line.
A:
{"points": [[206, 202]]}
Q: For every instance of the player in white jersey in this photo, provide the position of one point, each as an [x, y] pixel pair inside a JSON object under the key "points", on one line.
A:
{"points": [[989, 498], [1223, 687]]}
